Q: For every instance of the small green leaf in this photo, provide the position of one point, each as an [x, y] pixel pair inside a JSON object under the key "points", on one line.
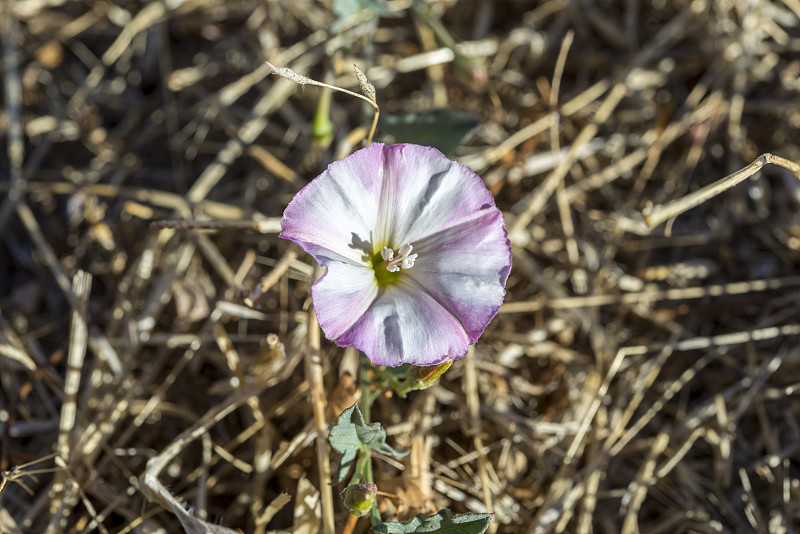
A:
{"points": [[352, 435], [441, 128], [442, 522]]}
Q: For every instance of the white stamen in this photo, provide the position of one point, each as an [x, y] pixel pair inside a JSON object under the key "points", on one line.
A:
{"points": [[404, 258], [405, 250], [409, 261]]}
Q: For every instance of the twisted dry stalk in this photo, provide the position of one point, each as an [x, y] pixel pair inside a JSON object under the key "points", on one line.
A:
{"points": [[658, 214]]}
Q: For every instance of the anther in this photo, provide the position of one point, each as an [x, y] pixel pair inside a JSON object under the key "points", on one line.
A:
{"points": [[404, 258]]}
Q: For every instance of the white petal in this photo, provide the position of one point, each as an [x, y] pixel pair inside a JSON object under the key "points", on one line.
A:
{"points": [[426, 192], [341, 296], [465, 269], [337, 211], [406, 325]]}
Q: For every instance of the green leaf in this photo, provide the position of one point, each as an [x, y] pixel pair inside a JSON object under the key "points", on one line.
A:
{"points": [[442, 522], [351, 435], [441, 128]]}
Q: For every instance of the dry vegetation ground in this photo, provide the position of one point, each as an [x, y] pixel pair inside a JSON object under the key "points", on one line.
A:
{"points": [[634, 381]]}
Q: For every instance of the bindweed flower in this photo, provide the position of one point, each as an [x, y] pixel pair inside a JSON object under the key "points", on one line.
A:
{"points": [[417, 254]]}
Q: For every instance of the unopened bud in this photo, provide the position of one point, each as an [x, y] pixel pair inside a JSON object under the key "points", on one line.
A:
{"points": [[427, 376], [359, 498]]}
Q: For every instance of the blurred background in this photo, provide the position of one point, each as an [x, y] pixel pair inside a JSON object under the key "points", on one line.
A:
{"points": [[636, 380]]}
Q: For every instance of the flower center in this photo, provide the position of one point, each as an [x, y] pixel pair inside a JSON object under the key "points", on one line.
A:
{"points": [[387, 266]]}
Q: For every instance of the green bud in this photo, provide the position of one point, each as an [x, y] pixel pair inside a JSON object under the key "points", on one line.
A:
{"points": [[359, 498], [412, 378], [321, 125], [428, 376]]}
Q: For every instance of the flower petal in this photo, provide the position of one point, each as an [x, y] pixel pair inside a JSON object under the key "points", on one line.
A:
{"points": [[333, 217], [465, 269], [341, 296], [425, 192], [406, 325]]}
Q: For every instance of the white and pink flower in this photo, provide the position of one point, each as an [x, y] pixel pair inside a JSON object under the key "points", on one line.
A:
{"points": [[363, 217]]}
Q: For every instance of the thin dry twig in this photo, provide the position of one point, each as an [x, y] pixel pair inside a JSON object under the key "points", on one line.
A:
{"points": [[319, 403], [658, 214], [15, 147], [79, 338], [368, 96]]}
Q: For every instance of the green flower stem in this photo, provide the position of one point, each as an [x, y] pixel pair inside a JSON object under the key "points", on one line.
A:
{"points": [[374, 513], [464, 65], [362, 467], [368, 394], [363, 471]]}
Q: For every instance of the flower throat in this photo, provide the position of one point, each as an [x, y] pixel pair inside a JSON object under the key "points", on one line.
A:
{"points": [[387, 267]]}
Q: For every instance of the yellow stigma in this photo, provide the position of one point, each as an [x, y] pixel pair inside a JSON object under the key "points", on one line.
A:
{"points": [[382, 274], [387, 266]]}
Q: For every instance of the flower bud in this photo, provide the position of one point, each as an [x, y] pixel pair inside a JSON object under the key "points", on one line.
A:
{"points": [[359, 498], [427, 376]]}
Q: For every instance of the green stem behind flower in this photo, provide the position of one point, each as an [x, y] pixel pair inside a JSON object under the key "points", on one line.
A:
{"points": [[363, 470]]}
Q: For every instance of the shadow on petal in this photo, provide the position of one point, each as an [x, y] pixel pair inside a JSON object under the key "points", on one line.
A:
{"points": [[363, 245], [392, 334]]}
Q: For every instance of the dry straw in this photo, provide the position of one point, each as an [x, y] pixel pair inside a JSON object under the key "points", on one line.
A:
{"points": [[635, 380]]}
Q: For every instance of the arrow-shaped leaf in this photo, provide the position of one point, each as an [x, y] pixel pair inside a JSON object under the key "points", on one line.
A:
{"points": [[442, 522], [352, 435]]}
